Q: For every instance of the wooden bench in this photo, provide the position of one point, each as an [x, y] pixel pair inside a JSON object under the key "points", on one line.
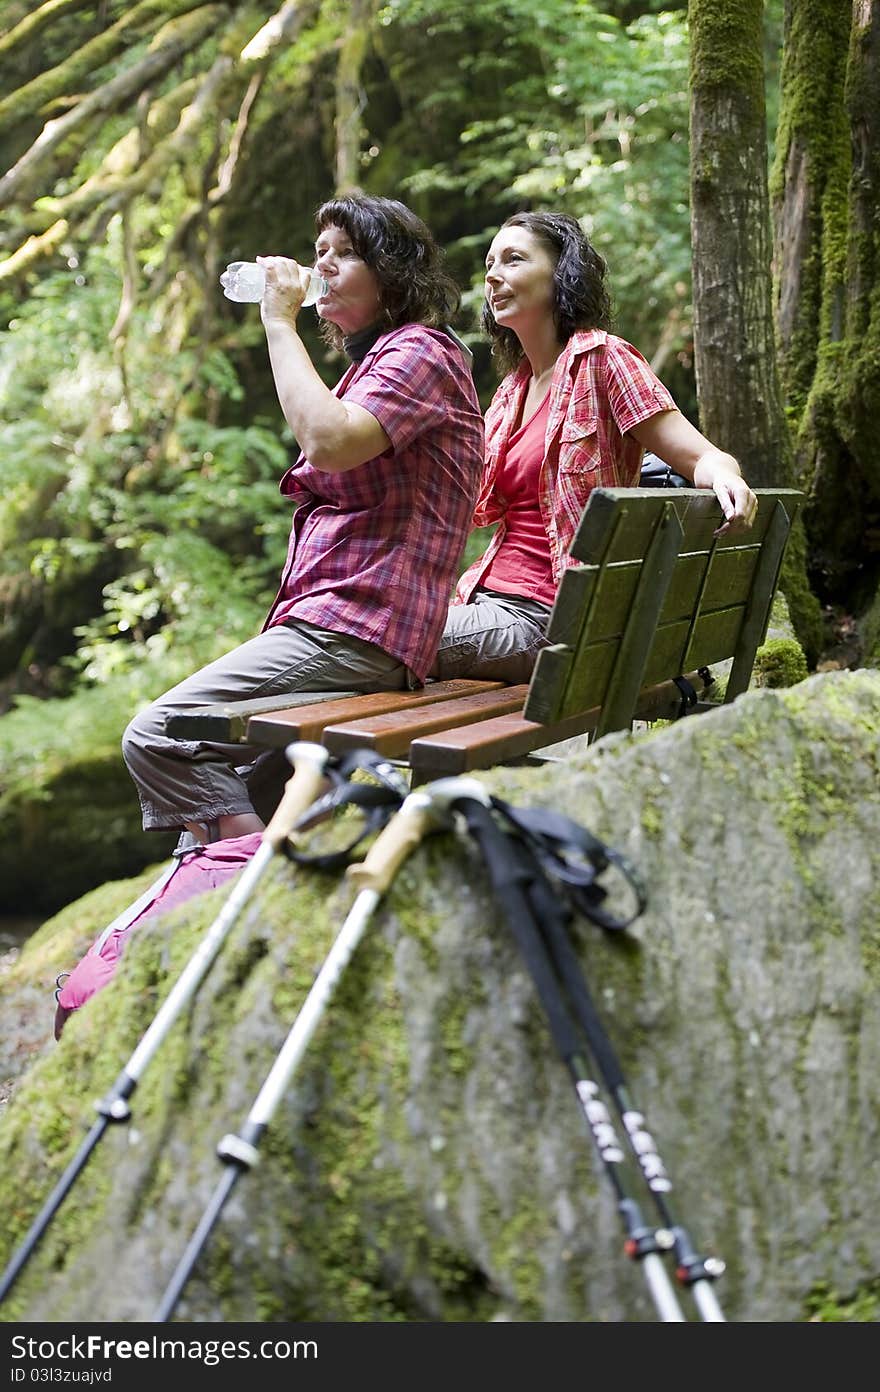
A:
{"points": [[654, 597]]}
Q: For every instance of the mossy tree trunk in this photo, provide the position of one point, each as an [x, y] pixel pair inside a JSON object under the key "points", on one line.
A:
{"points": [[741, 405], [350, 96], [826, 191]]}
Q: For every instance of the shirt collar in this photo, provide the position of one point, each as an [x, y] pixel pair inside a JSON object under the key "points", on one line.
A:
{"points": [[358, 345]]}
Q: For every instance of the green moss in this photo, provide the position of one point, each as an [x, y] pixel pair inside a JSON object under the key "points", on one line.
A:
{"points": [[871, 634], [806, 614], [726, 48], [813, 121], [366, 1244], [364, 1254], [780, 662], [824, 1305], [52, 846], [515, 1251]]}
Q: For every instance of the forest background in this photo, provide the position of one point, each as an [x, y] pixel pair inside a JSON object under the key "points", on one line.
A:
{"points": [[722, 155]]}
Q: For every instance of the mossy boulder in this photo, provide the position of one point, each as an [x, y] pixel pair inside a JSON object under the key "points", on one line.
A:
{"points": [[779, 662], [429, 1161], [78, 826], [69, 813]]}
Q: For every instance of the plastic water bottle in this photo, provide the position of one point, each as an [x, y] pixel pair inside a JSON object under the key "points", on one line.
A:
{"points": [[245, 281]]}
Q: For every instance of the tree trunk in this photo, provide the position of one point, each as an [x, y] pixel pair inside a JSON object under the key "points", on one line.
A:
{"points": [[350, 97], [826, 194], [741, 406]]}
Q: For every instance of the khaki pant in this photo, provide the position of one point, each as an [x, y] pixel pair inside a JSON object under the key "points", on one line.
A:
{"points": [[496, 636], [192, 781]]}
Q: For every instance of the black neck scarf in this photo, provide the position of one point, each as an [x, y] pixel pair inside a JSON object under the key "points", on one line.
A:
{"points": [[358, 345]]}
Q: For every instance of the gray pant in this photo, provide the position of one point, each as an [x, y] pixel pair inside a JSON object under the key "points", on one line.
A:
{"points": [[191, 781], [496, 636]]}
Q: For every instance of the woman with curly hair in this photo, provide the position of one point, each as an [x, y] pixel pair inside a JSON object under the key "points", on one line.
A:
{"points": [[384, 490], [576, 411]]}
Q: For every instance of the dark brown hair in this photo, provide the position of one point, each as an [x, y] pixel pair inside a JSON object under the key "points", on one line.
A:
{"points": [[582, 298], [414, 287]]}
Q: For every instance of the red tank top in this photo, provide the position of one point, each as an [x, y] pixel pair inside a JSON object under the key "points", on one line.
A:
{"points": [[522, 563]]}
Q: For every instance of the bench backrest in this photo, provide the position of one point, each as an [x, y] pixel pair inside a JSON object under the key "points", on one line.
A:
{"points": [[655, 594]]}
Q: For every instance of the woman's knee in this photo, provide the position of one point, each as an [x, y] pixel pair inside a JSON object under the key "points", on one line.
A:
{"points": [[139, 733]]}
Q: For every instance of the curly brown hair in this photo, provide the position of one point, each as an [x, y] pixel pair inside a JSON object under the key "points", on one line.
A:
{"points": [[582, 298], [414, 287]]}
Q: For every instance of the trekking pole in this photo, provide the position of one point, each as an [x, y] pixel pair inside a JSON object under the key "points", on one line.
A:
{"points": [[696, 1272], [301, 790], [419, 813], [511, 874], [549, 841]]}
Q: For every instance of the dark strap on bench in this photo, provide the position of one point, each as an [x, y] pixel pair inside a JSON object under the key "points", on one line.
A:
{"points": [[688, 695]]}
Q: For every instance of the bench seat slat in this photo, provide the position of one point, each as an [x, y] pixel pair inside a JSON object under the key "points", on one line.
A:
{"points": [[276, 730], [510, 736], [390, 734], [226, 723]]}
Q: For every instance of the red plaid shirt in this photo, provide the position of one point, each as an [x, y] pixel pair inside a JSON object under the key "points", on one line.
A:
{"points": [[374, 550], [601, 388]]}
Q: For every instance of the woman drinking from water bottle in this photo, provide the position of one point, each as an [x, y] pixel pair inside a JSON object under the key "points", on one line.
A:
{"points": [[384, 489]]}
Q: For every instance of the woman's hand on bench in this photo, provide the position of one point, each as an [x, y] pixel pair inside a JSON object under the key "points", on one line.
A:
{"points": [[738, 502]]}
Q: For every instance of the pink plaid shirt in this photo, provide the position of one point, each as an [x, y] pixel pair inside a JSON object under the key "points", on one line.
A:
{"points": [[374, 550], [601, 388]]}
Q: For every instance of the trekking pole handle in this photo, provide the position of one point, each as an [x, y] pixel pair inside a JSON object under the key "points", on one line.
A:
{"points": [[428, 808], [302, 789], [391, 848]]}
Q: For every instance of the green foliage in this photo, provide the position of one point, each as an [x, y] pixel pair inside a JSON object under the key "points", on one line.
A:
{"points": [[95, 478], [140, 462], [593, 119]]}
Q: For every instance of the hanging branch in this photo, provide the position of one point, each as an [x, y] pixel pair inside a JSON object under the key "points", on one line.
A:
{"points": [[78, 67], [227, 168], [215, 195], [70, 211], [119, 332], [669, 337], [123, 157], [28, 28], [110, 191], [184, 136], [180, 36], [286, 23], [34, 249]]}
